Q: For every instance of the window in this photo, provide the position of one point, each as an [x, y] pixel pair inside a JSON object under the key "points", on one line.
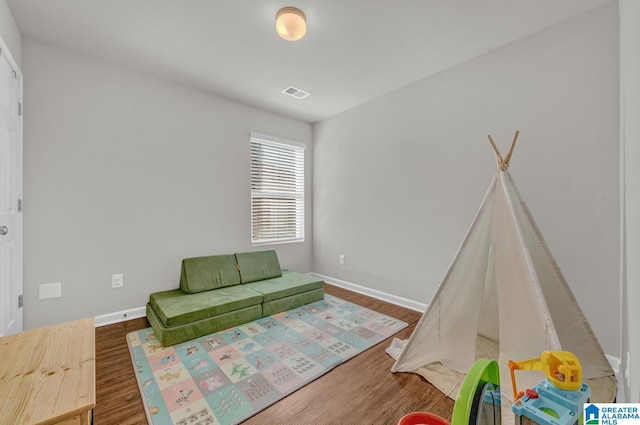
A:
{"points": [[277, 190]]}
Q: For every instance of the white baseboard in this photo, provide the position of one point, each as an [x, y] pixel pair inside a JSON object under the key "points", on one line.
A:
{"points": [[135, 313], [120, 316], [614, 361], [374, 293]]}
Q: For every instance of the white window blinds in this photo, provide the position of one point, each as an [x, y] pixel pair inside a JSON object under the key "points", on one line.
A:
{"points": [[277, 190]]}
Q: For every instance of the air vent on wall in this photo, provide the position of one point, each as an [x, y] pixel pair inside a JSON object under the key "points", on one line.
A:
{"points": [[295, 92]]}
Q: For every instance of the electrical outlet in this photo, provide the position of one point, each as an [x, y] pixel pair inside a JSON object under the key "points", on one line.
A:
{"points": [[117, 280], [342, 259]]}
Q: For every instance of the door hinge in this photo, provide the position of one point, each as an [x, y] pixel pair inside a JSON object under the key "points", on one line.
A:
{"points": [[20, 301], [20, 108], [19, 205]]}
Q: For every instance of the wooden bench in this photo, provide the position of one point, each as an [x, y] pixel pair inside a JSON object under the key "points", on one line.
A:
{"points": [[48, 375]]}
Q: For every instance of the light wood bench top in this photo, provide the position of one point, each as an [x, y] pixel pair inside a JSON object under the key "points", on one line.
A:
{"points": [[47, 375]]}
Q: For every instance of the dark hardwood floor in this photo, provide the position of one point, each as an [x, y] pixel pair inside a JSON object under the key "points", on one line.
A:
{"points": [[360, 391]]}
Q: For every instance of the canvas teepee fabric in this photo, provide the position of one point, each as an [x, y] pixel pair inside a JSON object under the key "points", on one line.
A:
{"points": [[504, 298]]}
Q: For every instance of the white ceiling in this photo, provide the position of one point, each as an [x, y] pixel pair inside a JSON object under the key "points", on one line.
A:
{"points": [[354, 50]]}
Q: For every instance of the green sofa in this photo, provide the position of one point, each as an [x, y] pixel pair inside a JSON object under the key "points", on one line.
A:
{"points": [[221, 291]]}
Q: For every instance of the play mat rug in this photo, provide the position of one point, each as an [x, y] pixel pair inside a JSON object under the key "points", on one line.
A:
{"points": [[226, 377]]}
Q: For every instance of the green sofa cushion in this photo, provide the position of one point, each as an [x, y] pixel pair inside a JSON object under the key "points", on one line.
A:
{"points": [[294, 301], [258, 265], [205, 273], [290, 283], [178, 308], [174, 335]]}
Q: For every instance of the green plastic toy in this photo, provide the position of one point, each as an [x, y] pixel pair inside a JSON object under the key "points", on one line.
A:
{"points": [[478, 400]]}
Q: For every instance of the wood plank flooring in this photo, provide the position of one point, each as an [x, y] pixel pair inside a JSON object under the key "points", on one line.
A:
{"points": [[361, 391]]}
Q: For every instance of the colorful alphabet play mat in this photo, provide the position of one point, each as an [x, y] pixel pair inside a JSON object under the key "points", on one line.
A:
{"points": [[226, 377]]}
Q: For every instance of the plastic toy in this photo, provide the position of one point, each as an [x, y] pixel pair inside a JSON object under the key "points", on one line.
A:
{"points": [[478, 401], [558, 399], [422, 418]]}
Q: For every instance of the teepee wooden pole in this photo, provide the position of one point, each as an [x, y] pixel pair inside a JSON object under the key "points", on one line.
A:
{"points": [[507, 158], [501, 162]]}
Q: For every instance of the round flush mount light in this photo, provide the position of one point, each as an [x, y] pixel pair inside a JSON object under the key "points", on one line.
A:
{"points": [[291, 23]]}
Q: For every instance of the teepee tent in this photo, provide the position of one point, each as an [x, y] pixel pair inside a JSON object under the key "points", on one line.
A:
{"points": [[502, 298]]}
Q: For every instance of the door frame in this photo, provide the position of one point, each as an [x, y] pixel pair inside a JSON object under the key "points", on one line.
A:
{"points": [[20, 194]]}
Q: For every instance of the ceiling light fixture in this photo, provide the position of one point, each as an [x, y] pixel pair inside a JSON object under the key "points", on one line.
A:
{"points": [[291, 23]]}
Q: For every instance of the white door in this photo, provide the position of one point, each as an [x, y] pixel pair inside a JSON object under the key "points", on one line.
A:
{"points": [[10, 194]]}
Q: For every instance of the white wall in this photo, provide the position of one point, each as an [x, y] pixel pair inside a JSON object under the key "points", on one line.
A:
{"points": [[398, 180], [10, 33], [126, 173]]}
